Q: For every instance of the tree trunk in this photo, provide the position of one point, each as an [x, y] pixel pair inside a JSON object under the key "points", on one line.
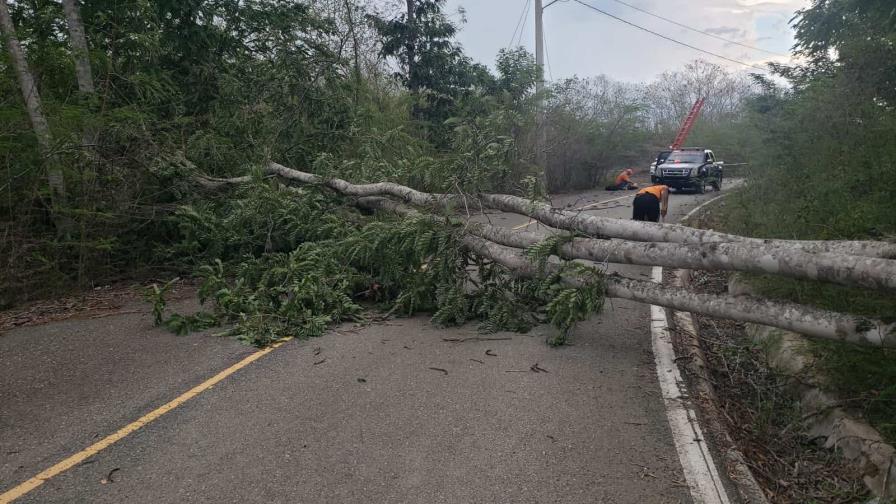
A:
{"points": [[792, 317], [789, 316], [675, 233], [411, 46], [356, 49], [747, 257], [602, 227], [33, 105], [79, 46]]}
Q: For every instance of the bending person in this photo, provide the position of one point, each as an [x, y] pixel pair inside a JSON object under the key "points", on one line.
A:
{"points": [[650, 203]]}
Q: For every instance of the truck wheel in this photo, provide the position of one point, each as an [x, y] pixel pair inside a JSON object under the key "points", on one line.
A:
{"points": [[700, 187], [717, 185]]}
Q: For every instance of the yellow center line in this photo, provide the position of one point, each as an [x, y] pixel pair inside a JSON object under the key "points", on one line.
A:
{"points": [[81, 456], [66, 464], [586, 207]]}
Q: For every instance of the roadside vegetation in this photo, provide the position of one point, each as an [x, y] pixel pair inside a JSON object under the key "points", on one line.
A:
{"points": [[825, 169], [350, 88], [763, 417], [138, 100]]}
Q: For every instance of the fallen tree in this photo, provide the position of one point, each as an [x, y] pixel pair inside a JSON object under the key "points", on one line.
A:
{"points": [[861, 271], [794, 317], [596, 226], [484, 241], [504, 247]]}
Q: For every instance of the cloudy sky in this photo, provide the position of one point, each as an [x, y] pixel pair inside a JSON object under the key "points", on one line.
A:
{"points": [[583, 42]]}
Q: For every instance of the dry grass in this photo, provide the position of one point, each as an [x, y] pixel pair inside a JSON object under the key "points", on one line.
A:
{"points": [[763, 418]]}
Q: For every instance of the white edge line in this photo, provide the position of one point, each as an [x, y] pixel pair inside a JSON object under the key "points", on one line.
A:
{"points": [[696, 459]]}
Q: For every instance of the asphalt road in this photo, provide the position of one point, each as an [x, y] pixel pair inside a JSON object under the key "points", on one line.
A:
{"points": [[356, 416]]}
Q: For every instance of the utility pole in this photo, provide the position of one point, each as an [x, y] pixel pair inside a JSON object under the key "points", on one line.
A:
{"points": [[540, 116]]}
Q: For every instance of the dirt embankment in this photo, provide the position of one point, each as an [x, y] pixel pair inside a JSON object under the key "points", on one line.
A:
{"points": [[763, 417]]}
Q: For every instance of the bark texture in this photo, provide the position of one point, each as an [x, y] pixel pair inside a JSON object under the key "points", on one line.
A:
{"points": [[798, 318], [842, 269], [33, 105], [79, 46], [601, 227], [803, 319], [484, 240], [675, 233], [805, 260], [860, 271]]}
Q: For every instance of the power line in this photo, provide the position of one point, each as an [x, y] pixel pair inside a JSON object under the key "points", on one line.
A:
{"points": [[518, 23], [676, 23], [580, 2], [519, 40]]}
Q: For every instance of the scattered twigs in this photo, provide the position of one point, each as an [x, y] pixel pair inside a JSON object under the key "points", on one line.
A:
{"points": [[475, 338]]}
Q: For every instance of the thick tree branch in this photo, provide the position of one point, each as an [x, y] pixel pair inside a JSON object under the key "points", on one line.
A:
{"points": [[584, 223], [734, 256], [793, 317]]}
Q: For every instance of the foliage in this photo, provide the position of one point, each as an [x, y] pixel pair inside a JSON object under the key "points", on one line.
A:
{"points": [[823, 169], [155, 295], [823, 156], [222, 84], [323, 261], [259, 218], [849, 37], [220, 87], [433, 65], [865, 378]]}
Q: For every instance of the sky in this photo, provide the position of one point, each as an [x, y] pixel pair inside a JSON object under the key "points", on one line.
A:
{"points": [[583, 42]]}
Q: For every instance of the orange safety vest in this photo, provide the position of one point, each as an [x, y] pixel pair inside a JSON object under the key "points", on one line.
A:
{"points": [[656, 190], [622, 177]]}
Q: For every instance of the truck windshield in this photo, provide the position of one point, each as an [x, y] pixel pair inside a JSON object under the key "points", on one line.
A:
{"points": [[685, 157]]}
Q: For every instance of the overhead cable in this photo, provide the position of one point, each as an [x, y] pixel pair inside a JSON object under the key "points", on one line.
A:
{"points": [[617, 18], [708, 34]]}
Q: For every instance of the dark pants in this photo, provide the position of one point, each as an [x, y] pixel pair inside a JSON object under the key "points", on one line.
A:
{"points": [[646, 208], [622, 186]]}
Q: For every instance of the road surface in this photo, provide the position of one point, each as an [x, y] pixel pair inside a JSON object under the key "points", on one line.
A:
{"points": [[359, 415]]}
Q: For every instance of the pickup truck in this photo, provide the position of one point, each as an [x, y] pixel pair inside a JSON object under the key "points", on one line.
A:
{"points": [[687, 169]]}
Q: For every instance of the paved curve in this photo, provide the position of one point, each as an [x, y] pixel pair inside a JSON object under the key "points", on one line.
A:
{"points": [[371, 424]]}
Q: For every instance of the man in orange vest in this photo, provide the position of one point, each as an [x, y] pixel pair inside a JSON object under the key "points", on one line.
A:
{"points": [[623, 181], [650, 203]]}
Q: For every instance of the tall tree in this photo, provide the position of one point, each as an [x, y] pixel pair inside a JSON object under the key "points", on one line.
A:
{"points": [[411, 45], [432, 65], [855, 38], [79, 46], [30, 94]]}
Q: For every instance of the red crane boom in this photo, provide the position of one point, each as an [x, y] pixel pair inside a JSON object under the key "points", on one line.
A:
{"points": [[687, 124]]}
